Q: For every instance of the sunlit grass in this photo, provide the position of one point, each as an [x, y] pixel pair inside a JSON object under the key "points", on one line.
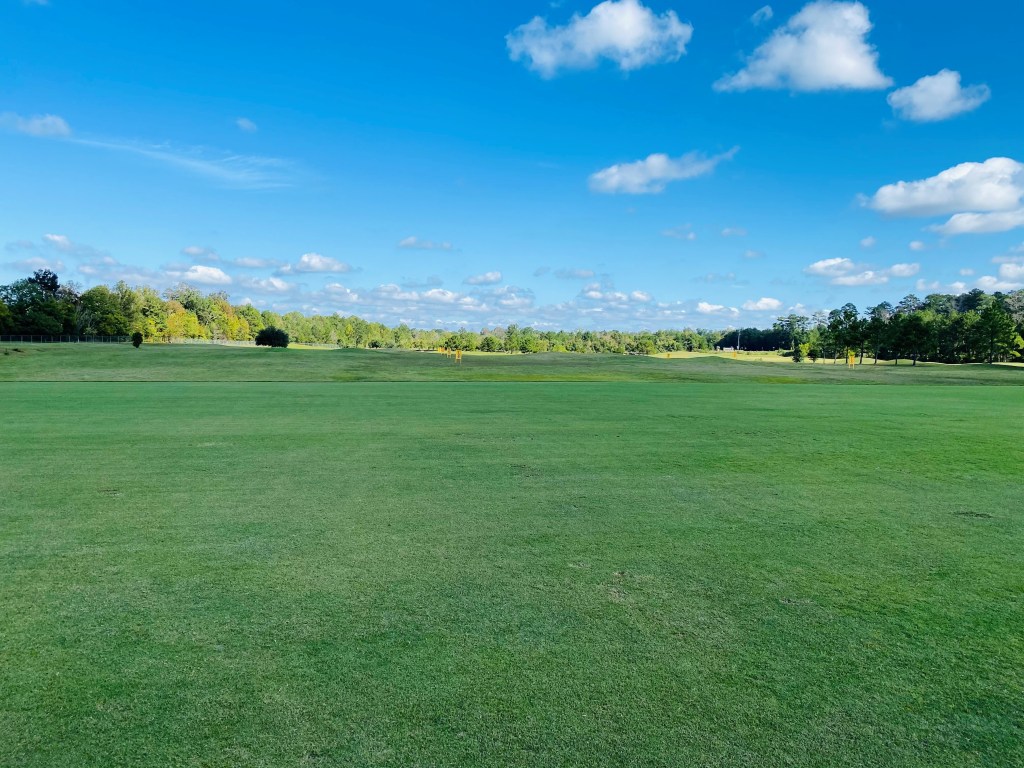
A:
{"points": [[459, 573]]}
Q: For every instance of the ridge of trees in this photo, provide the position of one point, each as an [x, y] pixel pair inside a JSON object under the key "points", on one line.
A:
{"points": [[969, 327]]}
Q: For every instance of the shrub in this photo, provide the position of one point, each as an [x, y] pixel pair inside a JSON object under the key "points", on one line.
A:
{"points": [[136, 339], [272, 337]]}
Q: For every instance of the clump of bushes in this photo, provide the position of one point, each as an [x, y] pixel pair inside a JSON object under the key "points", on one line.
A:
{"points": [[136, 339], [272, 337]]}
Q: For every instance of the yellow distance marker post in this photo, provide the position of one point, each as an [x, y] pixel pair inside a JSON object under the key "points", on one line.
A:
{"points": [[458, 356], [851, 361], [735, 354]]}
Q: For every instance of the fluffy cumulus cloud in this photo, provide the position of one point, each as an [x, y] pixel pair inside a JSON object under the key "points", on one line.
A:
{"points": [[315, 262], [937, 97], [904, 270], [652, 174], [201, 274], [983, 197], [707, 308], [625, 32], [764, 304], [45, 126], [982, 223], [846, 272], [487, 278], [823, 47], [1010, 276]]}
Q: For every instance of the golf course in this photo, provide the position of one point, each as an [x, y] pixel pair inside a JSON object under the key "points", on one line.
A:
{"points": [[215, 556]]}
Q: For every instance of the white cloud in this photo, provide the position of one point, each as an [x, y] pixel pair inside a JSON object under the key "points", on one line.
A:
{"points": [[764, 304], [416, 243], [937, 97], [651, 175], [839, 271], [706, 308], [904, 270], [199, 253], [1002, 283], [247, 125], [761, 15], [830, 267], [994, 185], [983, 197], [46, 126], [823, 47], [734, 232], [574, 274], [32, 263], [269, 285], [622, 31], [1011, 271], [487, 278], [966, 272], [315, 262], [916, 245], [60, 242], [202, 275], [868, 242], [982, 223], [752, 254], [867, 277]]}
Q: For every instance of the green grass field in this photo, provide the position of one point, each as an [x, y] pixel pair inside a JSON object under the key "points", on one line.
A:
{"points": [[241, 557]]}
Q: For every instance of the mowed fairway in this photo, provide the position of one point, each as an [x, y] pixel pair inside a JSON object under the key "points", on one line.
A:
{"points": [[625, 573]]}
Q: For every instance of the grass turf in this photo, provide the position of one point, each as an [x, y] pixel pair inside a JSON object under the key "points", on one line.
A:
{"points": [[552, 574], [158, 362]]}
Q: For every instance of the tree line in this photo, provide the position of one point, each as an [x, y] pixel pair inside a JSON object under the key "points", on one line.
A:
{"points": [[970, 327]]}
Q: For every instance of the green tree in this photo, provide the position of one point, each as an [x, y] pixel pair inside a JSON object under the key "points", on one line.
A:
{"points": [[272, 337], [877, 328], [999, 332], [6, 318], [103, 309]]}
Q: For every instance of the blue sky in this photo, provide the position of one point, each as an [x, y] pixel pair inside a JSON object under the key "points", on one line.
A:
{"points": [[617, 165]]}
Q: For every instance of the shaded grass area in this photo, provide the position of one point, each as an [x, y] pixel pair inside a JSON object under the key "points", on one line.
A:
{"points": [[286, 574], [84, 362]]}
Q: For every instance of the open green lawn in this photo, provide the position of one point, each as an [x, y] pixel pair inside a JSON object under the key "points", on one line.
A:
{"points": [[240, 559], [162, 362]]}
